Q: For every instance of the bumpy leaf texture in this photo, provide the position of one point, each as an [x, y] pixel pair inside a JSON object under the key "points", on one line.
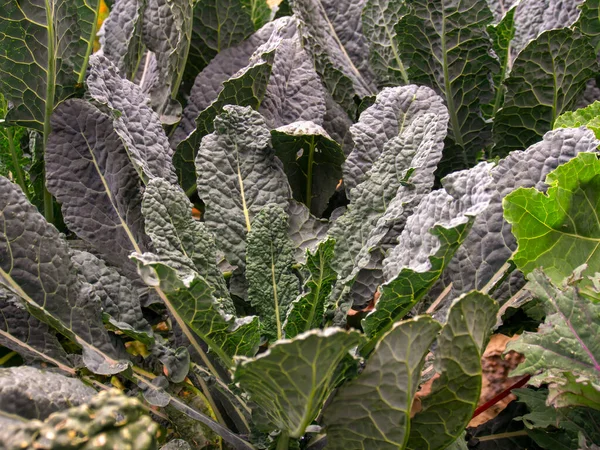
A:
{"points": [[312, 161], [290, 381], [272, 285], [561, 62], [447, 47], [490, 243], [588, 117], [89, 172], [35, 265], [237, 176], [45, 49], [305, 231], [454, 395], [306, 312], [564, 353], [373, 410]]}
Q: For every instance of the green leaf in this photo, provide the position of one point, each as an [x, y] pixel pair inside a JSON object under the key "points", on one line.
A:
{"points": [[290, 381], [373, 410], [260, 12], [35, 265], [272, 285], [180, 240], [45, 49], [217, 25], [561, 61], [192, 299], [379, 18], [589, 22], [237, 176], [312, 162], [559, 230], [447, 47], [306, 312], [305, 230], [89, 172], [564, 353], [438, 226], [588, 117], [458, 361], [244, 89]]}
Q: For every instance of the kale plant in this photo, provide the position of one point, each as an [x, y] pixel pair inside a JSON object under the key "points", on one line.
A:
{"points": [[237, 226]]}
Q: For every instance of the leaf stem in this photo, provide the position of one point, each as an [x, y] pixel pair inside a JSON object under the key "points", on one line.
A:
{"points": [[49, 104], [506, 435], [15, 160], [283, 441], [90, 47], [309, 172], [7, 357]]}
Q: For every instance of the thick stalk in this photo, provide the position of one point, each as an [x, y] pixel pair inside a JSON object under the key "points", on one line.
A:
{"points": [[283, 441], [309, 173], [49, 105], [90, 46], [15, 160]]}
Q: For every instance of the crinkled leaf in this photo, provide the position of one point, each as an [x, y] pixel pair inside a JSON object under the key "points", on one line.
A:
{"points": [[447, 47], [35, 265], [589, 22], [588, 117], [89, 172], [176, 361], [373, 410], [565, 352], [121, 36], [237, 176], [192, 299], [45, 47], [179, 239], [561, 62], [134, 121], [438, 226], [119, 299], [312, 162], [306, 312], [166, 31], [454, 395], [290, 381], [305, 230], [35, 394], [338, 71], [26, 335], [409, 124], [559, 230], [176, 444], [217, 25], [491, 243], [272, 285], [379, 18]]}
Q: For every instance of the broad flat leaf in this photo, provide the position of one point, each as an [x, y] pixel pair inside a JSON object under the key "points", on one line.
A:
{"points": [[89, 172], [373, 410], [134, 121], [192, 299], [166, 32], [121, 36], [589, 22], [26, 335], [181, 240], [379, 18], [272, 285], [290, 381], [338, 71], [438, 226], [447, 47], [565, 352], [260, 11], [559, 230], [217, 25], [119, 299], [416, 121], [533, 17], [588, 117], [491, 243], [45, 49], [561, 62], [237, 176], [394, 110], [35, 265], [502, 34], [35, 394], [454, 395], [312, 162], [305, 230], [306, 312]]}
